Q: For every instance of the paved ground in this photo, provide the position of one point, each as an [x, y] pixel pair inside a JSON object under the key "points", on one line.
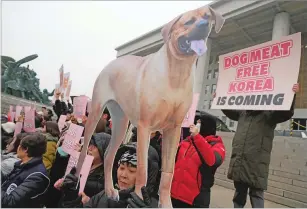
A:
{"points": [[221, 197]]}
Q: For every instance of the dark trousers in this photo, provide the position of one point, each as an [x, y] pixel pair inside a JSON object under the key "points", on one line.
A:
{"points": [[239, 199]]}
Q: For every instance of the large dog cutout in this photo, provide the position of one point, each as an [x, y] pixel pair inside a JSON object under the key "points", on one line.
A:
{"points": [[154, 93]]}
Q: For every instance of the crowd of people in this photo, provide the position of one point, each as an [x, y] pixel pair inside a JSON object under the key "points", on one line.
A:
{"points": [[33, 165]]}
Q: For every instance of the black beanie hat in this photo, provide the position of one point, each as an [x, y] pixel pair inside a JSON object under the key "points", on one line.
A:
{"points": [[208, 125]]}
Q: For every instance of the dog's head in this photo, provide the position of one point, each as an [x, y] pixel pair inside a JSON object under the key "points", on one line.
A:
{"points": [[187, 33]]}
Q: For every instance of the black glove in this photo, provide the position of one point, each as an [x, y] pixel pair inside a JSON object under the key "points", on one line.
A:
{"points": [[122, 202], [136, 202], [70, 186]]}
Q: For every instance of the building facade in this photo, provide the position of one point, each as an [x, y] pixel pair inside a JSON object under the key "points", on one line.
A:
{"points": [[247, 23]]}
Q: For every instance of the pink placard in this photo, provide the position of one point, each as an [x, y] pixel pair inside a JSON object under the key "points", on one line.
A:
{"points": [[72, 137], [80, 103], [85, 170], [89, 106], [27, 108], [260, 77], [18, 128], [61, 122], [11, 108], [29, 123], [189, 118], [18, 111], [12, 116]]}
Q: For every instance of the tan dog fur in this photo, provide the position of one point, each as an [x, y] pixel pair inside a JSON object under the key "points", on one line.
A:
{"points": [[154, 93]]}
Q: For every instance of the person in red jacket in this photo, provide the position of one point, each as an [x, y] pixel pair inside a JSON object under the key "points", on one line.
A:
{"points": [[197, 159]]}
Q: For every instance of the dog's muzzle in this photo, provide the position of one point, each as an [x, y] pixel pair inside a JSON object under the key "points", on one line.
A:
{"points": [[200, 32]]}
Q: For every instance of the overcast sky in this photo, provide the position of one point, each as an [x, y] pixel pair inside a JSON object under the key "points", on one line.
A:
{"points": [[81, 35]]}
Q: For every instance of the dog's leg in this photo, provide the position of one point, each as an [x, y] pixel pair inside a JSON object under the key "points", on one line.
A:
{"points": [[143, 135], [119, 126], [170, 143]]}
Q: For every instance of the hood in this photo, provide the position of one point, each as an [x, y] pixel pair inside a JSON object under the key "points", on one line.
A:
{"points": [[102, 141], [153, 164], [49, 137], [8, 127]]}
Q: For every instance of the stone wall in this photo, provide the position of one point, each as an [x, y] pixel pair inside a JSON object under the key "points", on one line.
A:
{"points": [[288, 171], [7, 100]]}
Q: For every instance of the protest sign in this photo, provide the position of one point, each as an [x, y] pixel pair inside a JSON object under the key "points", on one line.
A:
{"points": [[18, 111], [27, 108], [189, 118], [89, 106], [68, 89], [72, 137], [29, 123], [61, 71], [18, 128], [61, 122], [260, 77], [65, 80], [85, 170], [80, 103]]}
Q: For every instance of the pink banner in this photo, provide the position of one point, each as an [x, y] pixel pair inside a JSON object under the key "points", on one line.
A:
{"points": [[62, 121], [85, 170], [72, 137], [80, 103], [189, 118], [27, 108], [18, 128], [18, 111], [29, 123], [260, 77]]}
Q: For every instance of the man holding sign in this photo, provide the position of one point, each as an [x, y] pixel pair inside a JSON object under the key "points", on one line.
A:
{"points": [[251, 151]]}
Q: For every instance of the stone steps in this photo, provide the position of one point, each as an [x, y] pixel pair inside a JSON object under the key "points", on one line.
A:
{"points": [[287, 182]]}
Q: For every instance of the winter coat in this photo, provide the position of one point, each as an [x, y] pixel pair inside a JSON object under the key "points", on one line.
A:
{"points": [[192, 178], [100, 200], [25, 185], [49, 156], [57, 171], [7, 162], [252, 145]]}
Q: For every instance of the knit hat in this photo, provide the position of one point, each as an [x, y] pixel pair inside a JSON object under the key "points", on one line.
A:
{"points": [[128, 157], [101, 141], [8, 127], [208, 125]]}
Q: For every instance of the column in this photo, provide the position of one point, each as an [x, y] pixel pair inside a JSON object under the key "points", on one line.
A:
{"points": [[200, 72], [281, 25]]}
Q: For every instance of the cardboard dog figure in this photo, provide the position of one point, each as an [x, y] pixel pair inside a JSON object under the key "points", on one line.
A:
{"points": [[154, 93]]}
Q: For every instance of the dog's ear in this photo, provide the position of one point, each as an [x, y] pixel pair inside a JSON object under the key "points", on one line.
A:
{"points": [[218, 19], [166, 30]]}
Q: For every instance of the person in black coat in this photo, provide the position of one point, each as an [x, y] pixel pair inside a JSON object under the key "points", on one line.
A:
{"points": [[27, 183], [123, 180]]}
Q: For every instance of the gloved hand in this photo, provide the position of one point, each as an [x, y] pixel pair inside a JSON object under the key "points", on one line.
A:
{"points": [[123, 196], [70, 186], [136, 202]]}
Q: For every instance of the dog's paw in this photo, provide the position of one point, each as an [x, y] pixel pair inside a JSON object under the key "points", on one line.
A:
{"points": [[112, 193]]}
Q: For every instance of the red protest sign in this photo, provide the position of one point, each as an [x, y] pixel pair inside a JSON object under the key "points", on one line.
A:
{"points": [[29, 122]]}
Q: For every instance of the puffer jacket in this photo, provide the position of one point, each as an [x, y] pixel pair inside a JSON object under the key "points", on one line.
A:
{"points": [[100, 200], [252, 145], [7, 162], [49, 156], [25, 185], [192, 178]]}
